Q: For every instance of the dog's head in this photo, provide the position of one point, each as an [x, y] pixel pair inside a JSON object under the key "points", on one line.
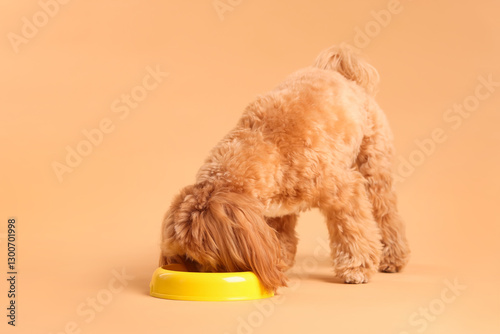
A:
{"points": [[212, 229]]}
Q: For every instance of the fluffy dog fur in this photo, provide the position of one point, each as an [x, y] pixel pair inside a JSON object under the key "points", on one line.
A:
{"points": [[318, 140]]}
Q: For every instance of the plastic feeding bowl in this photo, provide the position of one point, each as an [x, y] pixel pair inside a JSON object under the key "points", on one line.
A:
{"points": [[173, 281]]}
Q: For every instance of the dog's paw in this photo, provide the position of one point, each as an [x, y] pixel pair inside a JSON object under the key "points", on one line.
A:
{"points": [[393, 259], [389, 268], [357, 275]]}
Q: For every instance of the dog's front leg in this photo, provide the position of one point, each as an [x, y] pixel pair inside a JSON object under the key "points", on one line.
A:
{"points": [[285, 231]]}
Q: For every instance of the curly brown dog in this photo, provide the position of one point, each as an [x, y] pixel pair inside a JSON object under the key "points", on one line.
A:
{"points": [[318, 140]]}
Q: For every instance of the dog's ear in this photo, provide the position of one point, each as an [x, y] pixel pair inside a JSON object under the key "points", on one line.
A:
{"points": [[223, 231], [232, 235]]}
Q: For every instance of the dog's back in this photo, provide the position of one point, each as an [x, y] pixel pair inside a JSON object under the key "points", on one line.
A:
{"points": [[293, 137]]}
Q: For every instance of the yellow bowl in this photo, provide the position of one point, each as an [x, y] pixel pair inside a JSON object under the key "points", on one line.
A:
{"points": [[174, 282]]}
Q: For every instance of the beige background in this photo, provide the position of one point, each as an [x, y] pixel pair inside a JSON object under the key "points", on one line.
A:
{"points": [[105, 215]]}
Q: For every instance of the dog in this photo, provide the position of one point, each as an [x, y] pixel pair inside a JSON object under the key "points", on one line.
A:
{"points": [[317, 140]]}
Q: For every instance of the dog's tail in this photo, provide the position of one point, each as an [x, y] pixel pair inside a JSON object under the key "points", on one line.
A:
{"points": [[347, 62]]}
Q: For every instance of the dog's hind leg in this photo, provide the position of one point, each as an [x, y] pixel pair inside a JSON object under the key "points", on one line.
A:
{"points": [[285, 229], [374, 163], [354, 234]]}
